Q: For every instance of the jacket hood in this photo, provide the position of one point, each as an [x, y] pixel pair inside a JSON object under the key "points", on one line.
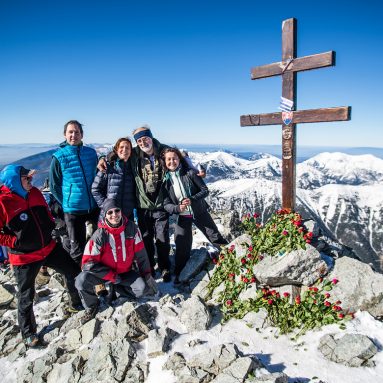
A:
{"points": [[10, 177]]}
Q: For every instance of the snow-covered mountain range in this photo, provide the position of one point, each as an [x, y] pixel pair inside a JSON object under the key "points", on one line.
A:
{"points": [[344, 192]]}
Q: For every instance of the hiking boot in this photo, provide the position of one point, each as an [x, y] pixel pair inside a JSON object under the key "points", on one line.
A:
{"points": [[73, 309], [33, 341], [89, 314], [100, 290], [166, 276]]}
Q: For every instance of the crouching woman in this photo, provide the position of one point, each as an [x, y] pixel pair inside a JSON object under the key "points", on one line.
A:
{"points": [[110, 256]]}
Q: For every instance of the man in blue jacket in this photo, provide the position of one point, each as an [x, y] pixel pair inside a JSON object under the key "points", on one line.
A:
{"points": [[71, 175]]}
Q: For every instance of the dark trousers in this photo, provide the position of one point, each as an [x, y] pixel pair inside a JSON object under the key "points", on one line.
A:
{"points": [[183, 236], [25, 276], [76, 228], [154, 227], [131, 284]]}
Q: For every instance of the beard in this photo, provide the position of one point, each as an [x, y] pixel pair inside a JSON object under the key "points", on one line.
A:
{"points": [[147, 149]]}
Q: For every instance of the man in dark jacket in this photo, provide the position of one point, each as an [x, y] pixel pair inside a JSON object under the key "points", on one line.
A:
{"points": [[26, 229], [71, 175]]}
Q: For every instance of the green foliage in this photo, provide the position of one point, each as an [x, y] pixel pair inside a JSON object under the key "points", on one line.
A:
{"points": [[282, 233]]}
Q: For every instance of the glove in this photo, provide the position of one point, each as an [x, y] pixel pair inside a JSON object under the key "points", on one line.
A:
{"points": [[152, 285]]}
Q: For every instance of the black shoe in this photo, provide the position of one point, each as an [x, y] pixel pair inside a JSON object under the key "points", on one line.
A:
{"points": [[166, 276], [89, 314]]}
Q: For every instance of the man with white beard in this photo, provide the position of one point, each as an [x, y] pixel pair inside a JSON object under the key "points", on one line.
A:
{"points": [[153, 220]]}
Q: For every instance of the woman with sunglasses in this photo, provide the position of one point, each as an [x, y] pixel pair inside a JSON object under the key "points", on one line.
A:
{"points": [[117, 182], [110, 255]]}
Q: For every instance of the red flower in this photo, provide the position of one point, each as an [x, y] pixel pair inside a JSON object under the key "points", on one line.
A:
{"points": [[340, 316], [252, 280], [231, 275], [243, 261], [221, 257], [229, 302], [338, 302], [327, 303], [327, 295], [285, 232], [334, 281], [214, 260], [315, 289], [246, 280], [249, 255], [255, 215], [270, 302], [308, 241], [300, 230], [286, 294], [298, 300], [250, 248], [260, 257]]}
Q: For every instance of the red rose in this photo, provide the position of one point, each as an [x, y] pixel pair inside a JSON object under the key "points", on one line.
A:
{"points": [[270, 302], [340, 316], [327, 295], [229, 302], [334, 281], [327, 303], [286, 295], [298, 300]]}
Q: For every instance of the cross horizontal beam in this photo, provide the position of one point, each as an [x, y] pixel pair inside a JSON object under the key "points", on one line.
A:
{"points": [[320, 60], [341, 113]]}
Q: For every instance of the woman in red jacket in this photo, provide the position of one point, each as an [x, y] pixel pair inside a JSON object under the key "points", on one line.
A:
{"points": [[110, 256], [26, 228]]}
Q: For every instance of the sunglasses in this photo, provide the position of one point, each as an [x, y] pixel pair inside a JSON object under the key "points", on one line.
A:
{"points": [[113, 211]]}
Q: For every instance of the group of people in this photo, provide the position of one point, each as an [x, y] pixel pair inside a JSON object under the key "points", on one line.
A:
{"points": [[151, 179]]}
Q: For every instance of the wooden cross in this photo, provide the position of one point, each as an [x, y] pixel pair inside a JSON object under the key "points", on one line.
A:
{"points": [[288, 68]]}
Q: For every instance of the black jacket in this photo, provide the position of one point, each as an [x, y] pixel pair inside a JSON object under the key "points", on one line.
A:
{"points": [[195, 189], [116, 183]]}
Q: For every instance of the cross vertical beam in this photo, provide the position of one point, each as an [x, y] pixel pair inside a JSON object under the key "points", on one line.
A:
{"points": [[289, 91]]}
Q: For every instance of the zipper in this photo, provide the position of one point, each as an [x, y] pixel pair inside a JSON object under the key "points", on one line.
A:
{"points": [[37, 224], [83, 173]]}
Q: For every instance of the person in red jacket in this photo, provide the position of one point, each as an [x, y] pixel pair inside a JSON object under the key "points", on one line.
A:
{"points": [[26, 228], [110, 256]]}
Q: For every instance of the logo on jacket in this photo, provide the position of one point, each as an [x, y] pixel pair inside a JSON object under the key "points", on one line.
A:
{"points": [[24, 216]]}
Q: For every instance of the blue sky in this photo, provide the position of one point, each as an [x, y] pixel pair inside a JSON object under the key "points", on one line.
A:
{"points": [[183, 67]]}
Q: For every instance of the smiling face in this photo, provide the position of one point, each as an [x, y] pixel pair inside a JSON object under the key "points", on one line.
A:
{"points": [[26, 182], [124, 150], [172, 161], [146, 144], [73, 134], [114, 216]]}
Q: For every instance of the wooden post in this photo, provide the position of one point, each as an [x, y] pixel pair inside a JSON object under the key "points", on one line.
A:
{"points": [[288, 68]]}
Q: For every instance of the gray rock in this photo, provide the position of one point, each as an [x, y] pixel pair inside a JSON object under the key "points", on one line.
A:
{"points": [[108, 330], [5, 297], [297, 267], [89, 330], [176, 362], [73, 339], [195, 315], [194, 265], [224, 378], [240, 368], [275, 377], [359, 287], [66, 372], [136, 374], [159, 341], [352, 350], [56, 281]]}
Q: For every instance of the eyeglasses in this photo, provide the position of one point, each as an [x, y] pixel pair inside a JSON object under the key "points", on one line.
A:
{"points": [[113, 211]]}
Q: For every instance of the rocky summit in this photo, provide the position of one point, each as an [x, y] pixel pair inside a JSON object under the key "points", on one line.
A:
{"points": [[179, 335]]}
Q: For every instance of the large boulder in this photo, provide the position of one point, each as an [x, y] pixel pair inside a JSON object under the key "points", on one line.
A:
{"points": [[195, 315], [353, 350], [359, 287], [300, 267]]}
